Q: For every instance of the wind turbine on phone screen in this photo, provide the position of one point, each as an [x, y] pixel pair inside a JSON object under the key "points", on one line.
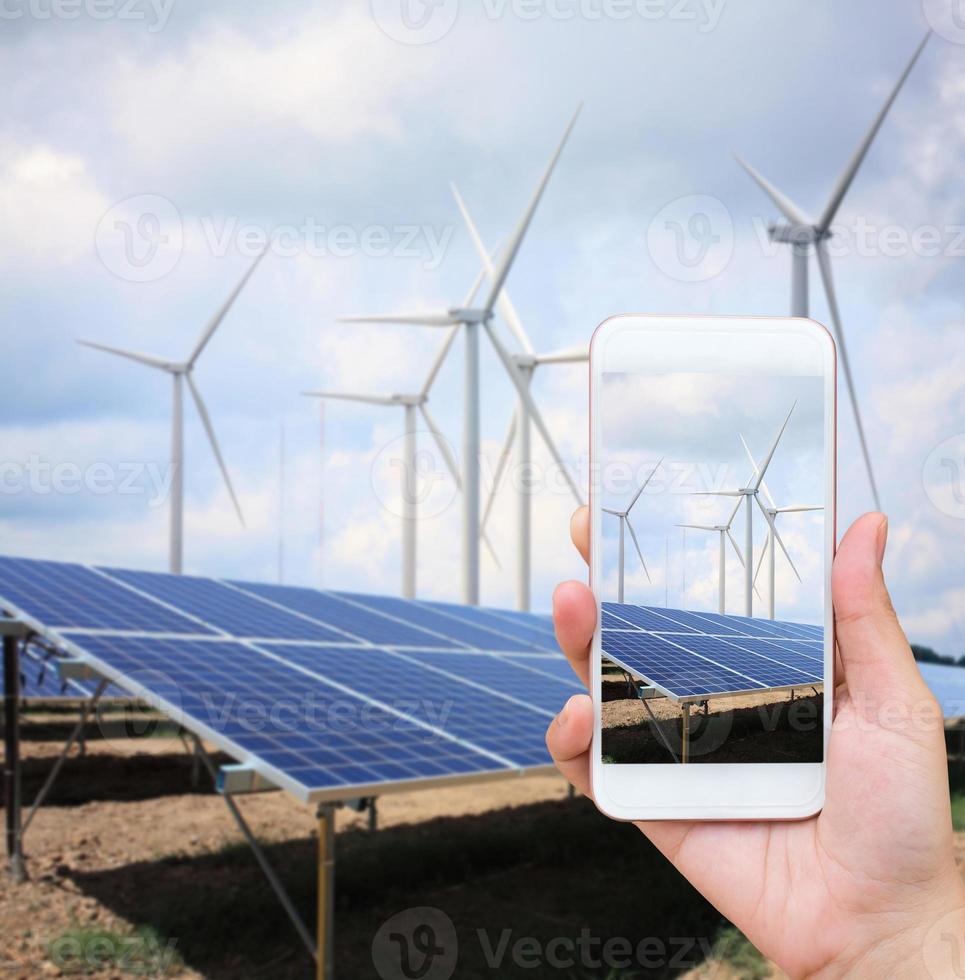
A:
{"points": [[803, 233], [625, 525]]}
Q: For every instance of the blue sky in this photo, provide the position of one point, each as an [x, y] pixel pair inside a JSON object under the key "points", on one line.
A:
{"points": [[319, 121]]}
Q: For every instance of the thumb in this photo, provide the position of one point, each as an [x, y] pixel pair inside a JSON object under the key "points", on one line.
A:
{"points": [[877, 661]]}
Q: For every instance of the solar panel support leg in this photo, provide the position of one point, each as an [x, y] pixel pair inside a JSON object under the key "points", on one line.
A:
{"points": [[260, 857], [11, 759], [324, 959], [659, 730], [373, 814], [685, 733], [78, 729]]}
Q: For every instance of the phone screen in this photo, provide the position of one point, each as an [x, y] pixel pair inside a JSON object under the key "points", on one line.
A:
{"points": [[712, 489]]}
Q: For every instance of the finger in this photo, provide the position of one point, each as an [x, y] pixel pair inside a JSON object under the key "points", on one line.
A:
{"points": [[574, 616], [568, 740], [580, 531], [877, 661]]}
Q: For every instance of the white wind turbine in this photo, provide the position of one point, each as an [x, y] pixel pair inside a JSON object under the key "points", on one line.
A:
{"points": [[771, 510], [624, 517], [412, 403], [724, 532], [519, 426], [749, 493], [802, 232], [470, 320], [181, 370]]}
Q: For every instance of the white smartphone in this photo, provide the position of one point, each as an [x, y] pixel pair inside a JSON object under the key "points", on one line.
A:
{"points": [[712, 508]]}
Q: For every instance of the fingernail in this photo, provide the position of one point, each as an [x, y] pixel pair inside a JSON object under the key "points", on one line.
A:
{"points": [[882, 539], [563, 716]]}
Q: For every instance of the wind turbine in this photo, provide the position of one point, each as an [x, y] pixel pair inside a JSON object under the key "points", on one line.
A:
{"points": [[412, 403], [181, 371], [749, 493], [723, 530], [802, 232], [771, 510], [470, 319], [624, 516], [519, 432]]}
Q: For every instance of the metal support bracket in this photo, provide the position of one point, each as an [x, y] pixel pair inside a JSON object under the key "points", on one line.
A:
{"points": [[241, 780], [13, 632], [659, 730]]}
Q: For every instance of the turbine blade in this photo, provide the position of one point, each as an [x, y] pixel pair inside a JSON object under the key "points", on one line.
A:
{"points": [[492, 551], [147, 359], [476, 283], [418, 319], [824, 264], [737, 551], [760, 560], [346, 396], [643, 485], [499, 276], [215, 448], [504, 455], [717, 493], [443, 445], [636, 544], [215, 321], [506, 307], [439, 359], [566, 355], [780, 541], [846, 178], [534, 413], [770, 455], [698, 527], [750, 456], [733, 514], [786, 206], [797, 508]]}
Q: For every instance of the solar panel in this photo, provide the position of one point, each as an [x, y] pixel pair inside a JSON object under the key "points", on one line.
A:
{"points": [[352, 619], [498, 723], [690, 655], [549, 664], [508, 637], [64, 596]]}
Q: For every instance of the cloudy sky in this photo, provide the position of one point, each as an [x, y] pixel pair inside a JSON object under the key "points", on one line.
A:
{"points": [[148, 148]]}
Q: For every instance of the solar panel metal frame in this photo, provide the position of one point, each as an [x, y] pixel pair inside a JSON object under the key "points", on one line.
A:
{"points": [[72, 645], [678, 640]]}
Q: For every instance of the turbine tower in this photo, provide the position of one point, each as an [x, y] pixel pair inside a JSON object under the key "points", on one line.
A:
{"points": [[771, 510], [412, 403], [519, 432], [471, 319], [624, 517], [802, 233], [724, 532], [749, 493], [180, 371]]}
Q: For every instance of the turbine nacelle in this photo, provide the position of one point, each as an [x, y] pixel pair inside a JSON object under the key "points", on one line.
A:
{"points": [[787, 234]]}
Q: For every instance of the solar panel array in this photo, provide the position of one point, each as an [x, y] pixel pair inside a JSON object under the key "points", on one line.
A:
{"points": [[691, 656], [329, 695]]}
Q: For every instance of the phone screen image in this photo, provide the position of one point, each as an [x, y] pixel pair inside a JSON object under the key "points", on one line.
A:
{"points": [[712, 510]]}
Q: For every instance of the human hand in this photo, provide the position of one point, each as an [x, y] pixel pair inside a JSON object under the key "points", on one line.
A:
{"points": [[861, 888]]}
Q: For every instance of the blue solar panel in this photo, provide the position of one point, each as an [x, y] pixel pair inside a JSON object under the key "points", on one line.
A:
{"points": [[717, 655], [551, 666], [501, 635], [71, 596], [364, 624], [510, 729], [311, 734], [500, 674], [537, 621], [225, 608]]}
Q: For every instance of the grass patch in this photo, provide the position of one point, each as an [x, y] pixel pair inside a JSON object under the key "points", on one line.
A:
{"points": [[733, 948], [958, 811], [83, 951]]}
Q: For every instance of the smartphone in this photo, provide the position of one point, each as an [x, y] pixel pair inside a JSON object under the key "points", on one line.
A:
{"points": [[712, 514]]}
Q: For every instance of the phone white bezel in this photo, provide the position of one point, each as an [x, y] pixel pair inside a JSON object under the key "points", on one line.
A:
{"points": [[710, 791]]}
